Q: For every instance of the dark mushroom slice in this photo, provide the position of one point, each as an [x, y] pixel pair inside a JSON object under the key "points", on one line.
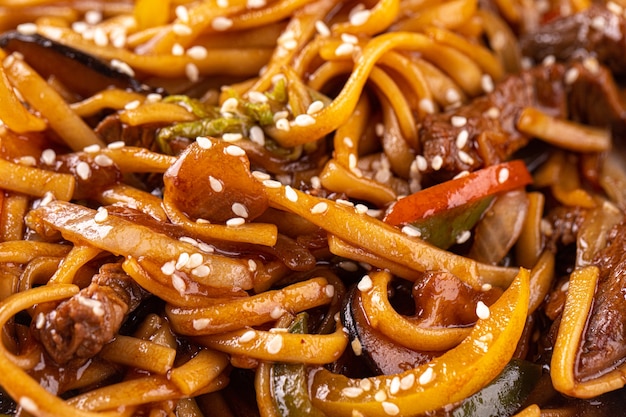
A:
{"points": [[381, 354], [80, 72]]}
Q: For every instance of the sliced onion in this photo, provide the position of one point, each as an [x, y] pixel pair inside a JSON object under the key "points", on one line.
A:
{"points": [[498, 230]]}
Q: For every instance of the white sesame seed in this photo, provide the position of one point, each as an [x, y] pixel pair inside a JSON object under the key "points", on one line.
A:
{"points": [[178, 50], [277, 312], [200, 324], [316, 183], [411, 231], [571, 75], [503, 175], [548, 60], [101, 215], [486, 82], [461, 174], [231, 137], [204, 142], [205, 247], [192, 72], [257, 135], [100, 37], [119, 144], [255, 4], [92, 148], [93, 17], [221, 23], [360, 18], [201, 271], [291, 194], [463, 236], [493, 113], [315, 107], [248, 336], [486, 287], [304, 120], [407, 381], [103, 160], [28, 160], [349, 38], [216, 184], [282, 124], [329, 290], [380, 396], [427, 376], [365, 284], [322, 29], [272, 183], [29, 405], [282, 114], [197, 52], [234, 150], [132, 105], [379, 129], [319, 208], [229, 105], [240, 210], [275, 344], [182, 260], [436, 163], [465, 158], [257, 97], [83, 170], [361, 208], [181, 29], [118, 37], [615, 8], [598, 23], [352, 392], [168, 268], [366, 384], [352, 161], [195, 260], [452, 96], [482, 310], [252, 265], [356, 346], [462, 138], [565, 286], [179, 284], [390, 408], [394, 387], [27, 28], [348, 142], [458, 121], [344, 49], [79, 26], [182, 13], [235, 221], [427, 105], [421, 163], [591, 64]]}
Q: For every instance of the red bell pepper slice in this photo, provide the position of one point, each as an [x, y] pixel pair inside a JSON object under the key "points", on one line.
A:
{"points": [[448, 195]]}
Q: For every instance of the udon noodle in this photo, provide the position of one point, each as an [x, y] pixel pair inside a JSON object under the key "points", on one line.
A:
{"points": [[330, 207]]}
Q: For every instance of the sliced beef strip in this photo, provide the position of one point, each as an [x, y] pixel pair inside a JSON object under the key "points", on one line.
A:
{"points": [[595, 31], [79, 327], [591, 97], [604, 344]]}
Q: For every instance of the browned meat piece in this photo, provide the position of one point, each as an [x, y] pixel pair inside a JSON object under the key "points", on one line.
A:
{"points": [[564, 225], [604, 345], [80, 326], [574, 91], [596, 32]]}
